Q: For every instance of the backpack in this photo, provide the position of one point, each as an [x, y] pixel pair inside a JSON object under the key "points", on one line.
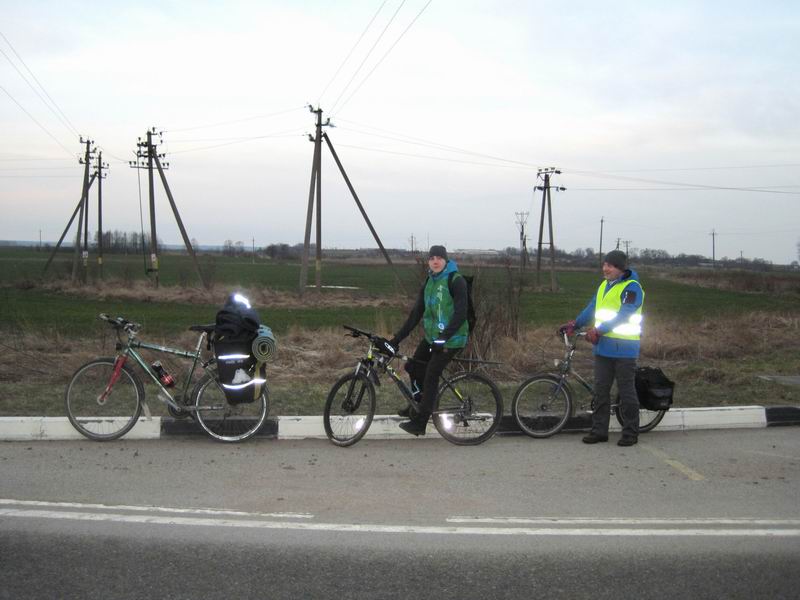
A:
{"points": [[472, 318], [235, 330], [654, 389]]}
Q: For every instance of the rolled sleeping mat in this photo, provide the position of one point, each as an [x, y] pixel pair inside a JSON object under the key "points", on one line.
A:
{"points": [[264, 346]]}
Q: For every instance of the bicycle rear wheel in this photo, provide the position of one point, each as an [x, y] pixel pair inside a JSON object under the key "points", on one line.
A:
{"points": [[349, 409], [648, 419], [541, 406], [103, 403], [224, 421], [469, 409]]}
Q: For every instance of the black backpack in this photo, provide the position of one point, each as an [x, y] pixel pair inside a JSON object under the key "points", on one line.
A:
{"points": [[235, 329], [654, 389], [472, 318]]}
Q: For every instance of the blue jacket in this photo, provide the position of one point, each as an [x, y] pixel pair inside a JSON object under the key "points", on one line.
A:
{"points": [[611, 347]]}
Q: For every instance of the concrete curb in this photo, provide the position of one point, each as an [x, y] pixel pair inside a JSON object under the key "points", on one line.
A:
{"points": [[386, 426]]}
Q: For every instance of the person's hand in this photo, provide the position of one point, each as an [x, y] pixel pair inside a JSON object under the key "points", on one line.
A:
{"points": [[568, 328], [394, 342], [593, 335], [438, 345], [386, 347]]}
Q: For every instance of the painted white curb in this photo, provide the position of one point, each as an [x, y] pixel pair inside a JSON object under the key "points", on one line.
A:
{"points": [[721, 417], [59, 428], [383, 427]]}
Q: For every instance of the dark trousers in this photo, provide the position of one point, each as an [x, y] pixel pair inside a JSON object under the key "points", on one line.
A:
{"points": [[425, 370], [606, 370]]}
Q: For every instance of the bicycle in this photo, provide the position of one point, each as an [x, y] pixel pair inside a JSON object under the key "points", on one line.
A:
{"points": [[105, 397], [543, 404], [468, 405]]}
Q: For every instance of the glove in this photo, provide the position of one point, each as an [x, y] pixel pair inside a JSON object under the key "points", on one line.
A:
{"points": [[394, 342], [593, 335], [438, 345], [568, 328]]}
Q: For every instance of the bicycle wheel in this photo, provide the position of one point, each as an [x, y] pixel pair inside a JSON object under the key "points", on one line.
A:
{"points": [[100, 405], [224, 421], [541, 407], [469, 409], [648, 419], [349, 409]]}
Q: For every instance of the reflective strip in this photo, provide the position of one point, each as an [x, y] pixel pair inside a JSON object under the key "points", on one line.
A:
{"points": [[244, 385], [233, 356], [632, 327]]}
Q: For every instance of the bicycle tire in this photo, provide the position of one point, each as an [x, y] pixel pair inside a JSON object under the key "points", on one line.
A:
{"points": [[223, 421], [648, 419], [95, 411], [347, 417], [540, 407], [468, 409]]}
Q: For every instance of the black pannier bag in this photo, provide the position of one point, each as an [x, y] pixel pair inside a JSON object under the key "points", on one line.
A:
{"points": [[654, 389], [242, 377]]}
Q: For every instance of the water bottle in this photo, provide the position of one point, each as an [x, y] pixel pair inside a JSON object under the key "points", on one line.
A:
{"points": [[165, 378]]}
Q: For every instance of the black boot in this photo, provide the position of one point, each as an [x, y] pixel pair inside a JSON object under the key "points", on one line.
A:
{"points": [[416, 426], [593, 438]]}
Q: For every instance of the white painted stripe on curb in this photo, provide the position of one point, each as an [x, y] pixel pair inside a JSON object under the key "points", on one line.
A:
{"points": [[386, 529], [59, 428], [382, 427], [623, 521], [155, 509]]}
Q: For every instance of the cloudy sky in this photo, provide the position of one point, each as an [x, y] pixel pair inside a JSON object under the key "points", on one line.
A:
{"points": [[667, 119]]}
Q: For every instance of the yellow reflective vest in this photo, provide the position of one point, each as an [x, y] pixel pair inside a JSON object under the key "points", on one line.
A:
{"points": [[607, 306]]}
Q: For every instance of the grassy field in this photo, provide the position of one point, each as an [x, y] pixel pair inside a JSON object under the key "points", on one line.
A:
{"points": [[712, 340]]}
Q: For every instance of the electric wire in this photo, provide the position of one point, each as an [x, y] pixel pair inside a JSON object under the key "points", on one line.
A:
{"points": [[349, 54], [369, 53], [233, 121], [363, 81], [63, 118], [32, 118], [287, 133]]}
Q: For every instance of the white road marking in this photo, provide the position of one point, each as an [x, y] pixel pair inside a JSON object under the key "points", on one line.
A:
{"points": [[614, 521], [154, 509], [386, 529]]}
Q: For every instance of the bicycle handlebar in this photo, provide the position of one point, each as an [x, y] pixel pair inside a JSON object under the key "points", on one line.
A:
{"points": [[379, 342], [121, 323]]}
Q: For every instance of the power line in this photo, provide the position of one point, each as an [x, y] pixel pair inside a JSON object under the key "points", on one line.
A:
{"points": [[231, 122], [358, 41], [363, 81], [369, 53], [65, 121], [295, 132], [32, 118]]}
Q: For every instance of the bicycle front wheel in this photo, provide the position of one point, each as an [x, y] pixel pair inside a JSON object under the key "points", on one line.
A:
{"points": [[542, 405], [104, 402], [349, 409], [224, 421], [648, 419], [469, 409]]}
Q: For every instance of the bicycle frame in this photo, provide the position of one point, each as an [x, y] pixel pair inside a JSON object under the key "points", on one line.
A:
{"points": [[129, 350]]}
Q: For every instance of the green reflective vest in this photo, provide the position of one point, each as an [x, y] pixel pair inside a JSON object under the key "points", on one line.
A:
{"points": [[607, 305], [439, 308]]}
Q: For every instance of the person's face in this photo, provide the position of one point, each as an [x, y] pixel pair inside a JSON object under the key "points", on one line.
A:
{"points": [[610, 272], [436, 264]]}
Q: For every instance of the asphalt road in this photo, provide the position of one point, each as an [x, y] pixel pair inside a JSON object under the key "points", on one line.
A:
{"points": [[700, 514]]}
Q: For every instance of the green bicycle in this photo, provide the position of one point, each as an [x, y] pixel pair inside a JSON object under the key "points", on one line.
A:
{"points": [[105, 397]]}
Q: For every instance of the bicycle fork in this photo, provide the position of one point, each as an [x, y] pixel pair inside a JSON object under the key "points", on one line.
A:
{"points": [[118, 364]]}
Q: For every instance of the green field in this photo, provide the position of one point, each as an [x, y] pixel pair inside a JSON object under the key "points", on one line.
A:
{"points": [[713, 342]]}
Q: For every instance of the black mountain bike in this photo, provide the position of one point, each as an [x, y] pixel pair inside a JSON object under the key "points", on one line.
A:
{"points": [[468, 406]]}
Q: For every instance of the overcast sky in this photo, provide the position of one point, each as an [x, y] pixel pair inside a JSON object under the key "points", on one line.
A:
{"points": [[647, 108]]}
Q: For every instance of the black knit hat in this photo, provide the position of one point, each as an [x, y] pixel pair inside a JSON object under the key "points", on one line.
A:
{"points": [[617, 258], [438, 251]]}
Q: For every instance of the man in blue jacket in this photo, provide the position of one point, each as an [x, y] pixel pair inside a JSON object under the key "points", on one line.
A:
{"points": [[614, 317]]}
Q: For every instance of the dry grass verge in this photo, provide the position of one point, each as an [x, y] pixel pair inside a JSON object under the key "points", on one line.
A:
{"points": [[715, 362]]}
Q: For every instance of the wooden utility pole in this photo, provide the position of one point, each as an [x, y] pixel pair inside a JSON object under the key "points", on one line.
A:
{"points": [[602, 219], [147, 157], [522, 219], [315, 190], [713, 235], [547, 207]]}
